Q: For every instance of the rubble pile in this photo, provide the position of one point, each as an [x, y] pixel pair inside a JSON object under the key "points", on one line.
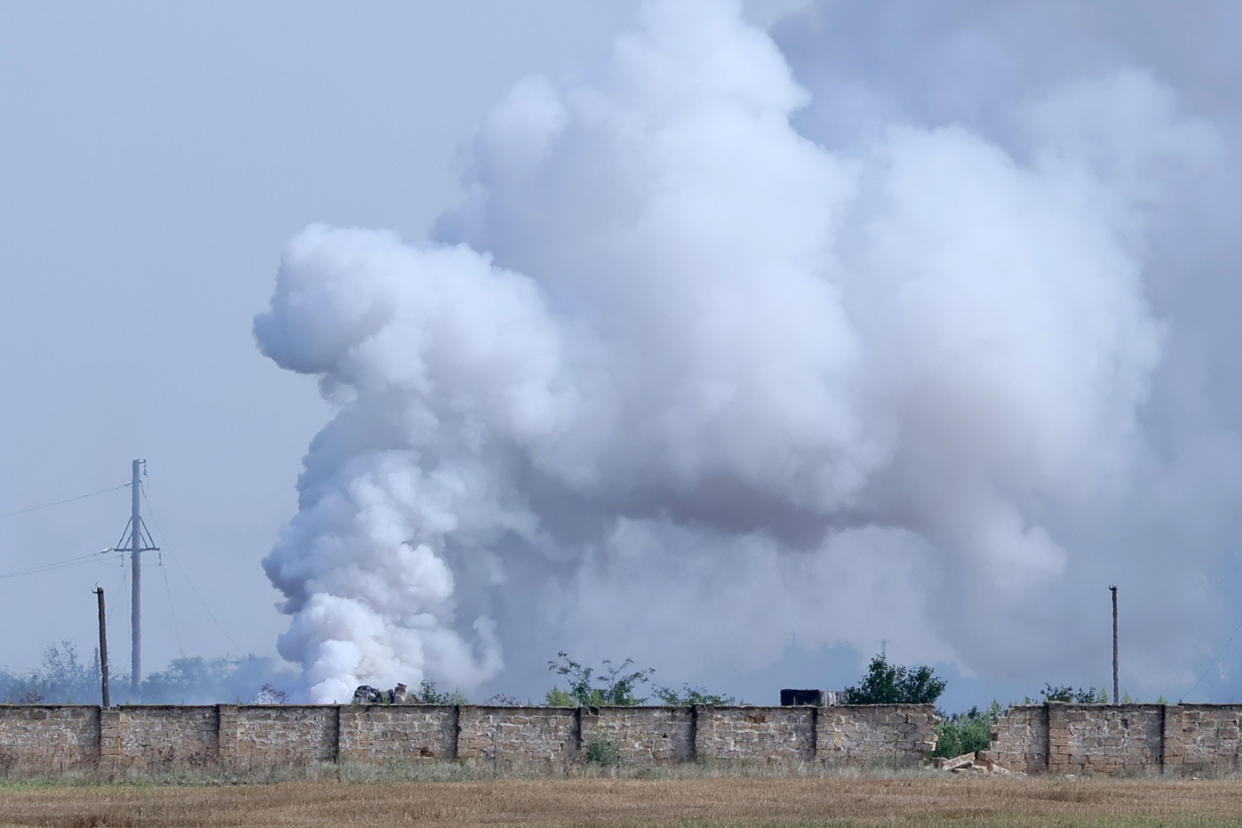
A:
{"points": [[970, 763]]}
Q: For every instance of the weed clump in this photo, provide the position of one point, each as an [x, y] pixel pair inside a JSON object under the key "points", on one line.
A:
{"points": [[603, 752]]}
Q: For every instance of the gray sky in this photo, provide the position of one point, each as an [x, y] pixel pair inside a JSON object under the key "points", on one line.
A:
{"points": [[1051, 406], [155, 158]]}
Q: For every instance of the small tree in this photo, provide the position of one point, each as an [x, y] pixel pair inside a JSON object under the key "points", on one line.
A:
{"points": [[886, 683], [1069, 694], [613, 685]]}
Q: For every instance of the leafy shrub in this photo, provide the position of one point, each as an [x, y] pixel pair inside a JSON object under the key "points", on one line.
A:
{"points": [[603, 752], [691, 695], [428, 694], [556, 697], [1069, 694], [616, 684], [966, 732]]}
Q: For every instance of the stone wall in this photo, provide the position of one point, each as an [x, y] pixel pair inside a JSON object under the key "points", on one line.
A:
{"points": [[1119, 739], [1107, 739], [384, 733], [1056, 738], [643, 735], [1203, 738], [41, 738], [760, 734], [260, 736], [893, 734], [148, 737], [1020, 739], [547, 736]]}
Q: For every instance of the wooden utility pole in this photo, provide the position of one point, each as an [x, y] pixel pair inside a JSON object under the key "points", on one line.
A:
{"points": [[103, 647], [1116, 690]]}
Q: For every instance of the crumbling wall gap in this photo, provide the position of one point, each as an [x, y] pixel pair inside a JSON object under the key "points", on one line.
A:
{"points": [[1164, 725], [453, 753]]}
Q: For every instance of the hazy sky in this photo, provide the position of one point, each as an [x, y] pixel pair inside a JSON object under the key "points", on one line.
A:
{"points": [[155, 159], [788, 329]]}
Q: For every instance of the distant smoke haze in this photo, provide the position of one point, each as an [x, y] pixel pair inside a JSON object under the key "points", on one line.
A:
{"points": [[759, 333]]}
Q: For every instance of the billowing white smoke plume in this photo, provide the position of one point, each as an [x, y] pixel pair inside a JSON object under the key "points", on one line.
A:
{"points": [[676, 381]]}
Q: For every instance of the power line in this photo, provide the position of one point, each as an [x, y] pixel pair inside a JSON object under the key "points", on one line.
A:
{"points": [[61, 502], [177, 560], [50, 566], [1216, 662], [172, 612]]}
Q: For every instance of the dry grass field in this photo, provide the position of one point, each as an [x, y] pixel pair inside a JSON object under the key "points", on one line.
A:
{"points": [[913, 800]]}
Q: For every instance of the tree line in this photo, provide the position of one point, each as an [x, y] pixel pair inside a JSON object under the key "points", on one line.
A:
{"points": [[64, 678]]}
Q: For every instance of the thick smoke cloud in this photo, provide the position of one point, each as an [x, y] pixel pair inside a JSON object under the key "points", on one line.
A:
{"points": [[760, 334]]}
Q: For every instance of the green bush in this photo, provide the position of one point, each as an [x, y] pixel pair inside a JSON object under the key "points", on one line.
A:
{"points": [[428, 693], [603, 752], [556, 697], [965, 732], [1069, 694], [688, 696]]}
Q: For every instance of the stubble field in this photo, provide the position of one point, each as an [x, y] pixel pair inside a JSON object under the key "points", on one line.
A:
{"points": [[916, 800]]}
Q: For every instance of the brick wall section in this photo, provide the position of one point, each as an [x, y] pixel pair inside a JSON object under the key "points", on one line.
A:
{"points": [[260, 736], [1061, 738], [1203, 738], [1020, 739], [1108, 739], [546, 736], [38, 738], [42, 738], [383, 733], [1120, 739], [898, 734], [643, 735], [757, 734], [147, 737]]}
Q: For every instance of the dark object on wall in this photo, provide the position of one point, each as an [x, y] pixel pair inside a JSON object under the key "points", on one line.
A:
{"points": [[790, 698], [366, 694]]}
